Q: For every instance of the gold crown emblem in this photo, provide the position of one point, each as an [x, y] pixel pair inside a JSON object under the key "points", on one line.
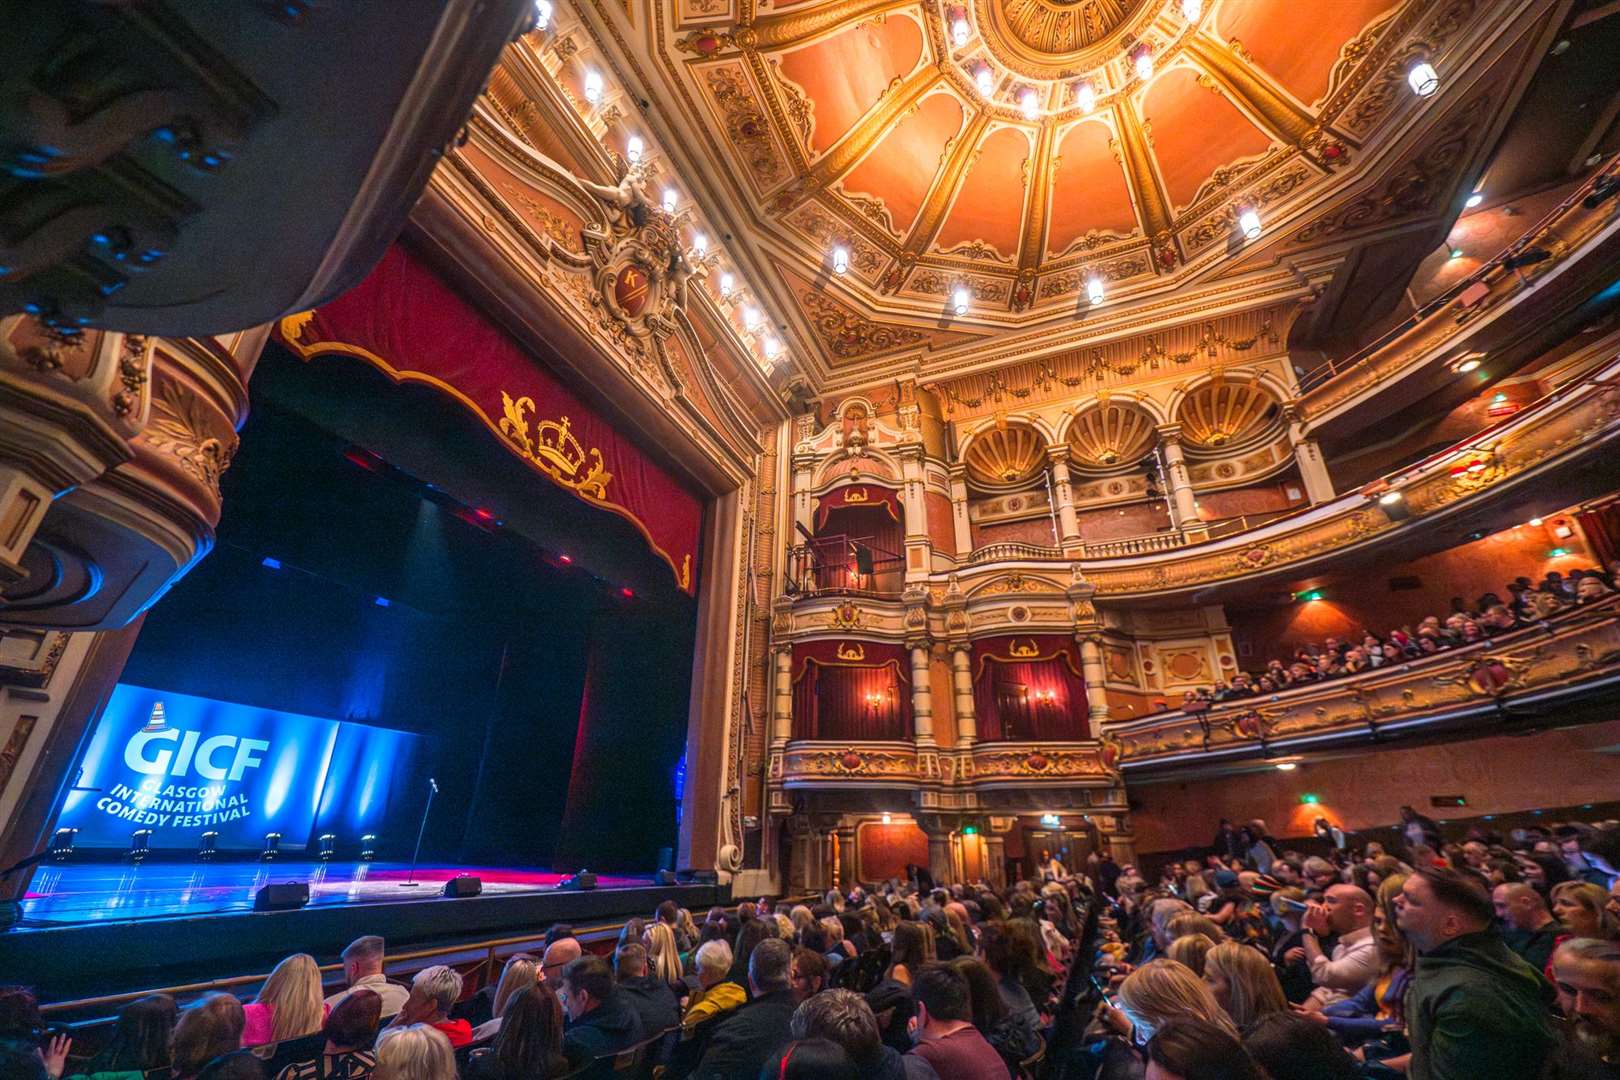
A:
{"points": [[554, 449]]}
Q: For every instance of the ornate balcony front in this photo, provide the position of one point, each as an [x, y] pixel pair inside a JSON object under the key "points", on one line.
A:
{"points": [[1525, 675], [986, 775]]}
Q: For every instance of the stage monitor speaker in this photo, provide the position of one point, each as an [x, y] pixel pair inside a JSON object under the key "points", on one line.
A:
{"points": [[666, 877], [286, 897], [578, 882], [463, 886]]}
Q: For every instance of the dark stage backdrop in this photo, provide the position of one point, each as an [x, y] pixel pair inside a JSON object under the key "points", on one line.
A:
{"points": [[557, 705]]}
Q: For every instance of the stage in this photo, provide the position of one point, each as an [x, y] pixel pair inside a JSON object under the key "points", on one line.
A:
{"points": [[98, 928]]}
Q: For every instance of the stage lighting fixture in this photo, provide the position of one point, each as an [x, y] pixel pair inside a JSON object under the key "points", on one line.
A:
{"points": [[628, 593], [328, 846], [580, 881], [207, 846], [140, 845], [272, 847], [368, 847], [270, 563], [289, 896], [62, 844]]}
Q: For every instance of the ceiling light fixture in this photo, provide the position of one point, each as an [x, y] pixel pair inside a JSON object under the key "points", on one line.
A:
{"points": [[960, 29], [542, 15], [985, 80], [1534, 523], [1463, 367], [1390, 498], [1029, 103], [960, 299], [840, 260], [751, 318], [886, 818], [700, 244], [1474, 200], [1144, 63], [772, 347], [1192, 9], [670, 200], [1287, 766], [727, 283], [1456, 253], [1094, 290], [1085, 95], [1249, 223], [633, 149], [593, 86], [1423, 79]]}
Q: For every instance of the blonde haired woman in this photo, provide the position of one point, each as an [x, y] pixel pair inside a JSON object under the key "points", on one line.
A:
{"points": [[1243, 983], [414, 1052], [1155, 994], [289, 1005], [521, 972], [664, 956], [1190, 922], [1191, 950], [1582, 908]]}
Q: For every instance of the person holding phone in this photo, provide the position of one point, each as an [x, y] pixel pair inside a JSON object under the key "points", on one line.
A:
{"points": [[1345, 914]]}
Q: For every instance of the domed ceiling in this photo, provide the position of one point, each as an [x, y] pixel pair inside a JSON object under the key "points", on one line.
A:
{"points": [[1018, 150]]}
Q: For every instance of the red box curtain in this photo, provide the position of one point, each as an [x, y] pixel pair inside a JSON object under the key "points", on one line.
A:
{"points": [[1029, 688], [407, 321], [862, 495], [850, 690]]}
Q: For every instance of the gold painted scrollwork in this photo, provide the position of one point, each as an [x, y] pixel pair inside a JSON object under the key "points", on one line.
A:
{"points": [[554, 449]]}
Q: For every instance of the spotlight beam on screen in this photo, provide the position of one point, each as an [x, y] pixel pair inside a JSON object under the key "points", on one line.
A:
{"points": [[183, 766]]}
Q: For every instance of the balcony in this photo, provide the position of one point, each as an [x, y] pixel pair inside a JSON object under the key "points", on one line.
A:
{"points": [[982, 767], [1527, 677]]}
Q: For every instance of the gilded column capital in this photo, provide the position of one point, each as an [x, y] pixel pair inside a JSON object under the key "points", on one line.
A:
{"points": [[1170, 433]]}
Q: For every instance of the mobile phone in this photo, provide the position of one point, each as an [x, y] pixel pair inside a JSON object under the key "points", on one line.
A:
{"points": [[1293, 905]]}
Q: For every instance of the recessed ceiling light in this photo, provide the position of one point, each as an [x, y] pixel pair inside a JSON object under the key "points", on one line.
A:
{"points": [[1474, 200], [1287, 766]]}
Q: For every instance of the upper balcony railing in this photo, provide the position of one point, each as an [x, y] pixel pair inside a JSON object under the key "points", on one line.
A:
{"points": [[842, 565], [824, 763], [1009, 551], [1525, 672], [1535, 245]]}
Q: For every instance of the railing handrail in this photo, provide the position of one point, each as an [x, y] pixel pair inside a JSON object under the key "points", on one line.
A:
{"points": [[1013, 548], [1321, 373]]}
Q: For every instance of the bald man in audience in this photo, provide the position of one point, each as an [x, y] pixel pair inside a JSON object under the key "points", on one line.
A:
{"points": [[559, 954], [1528, 927], [1345, 913]]}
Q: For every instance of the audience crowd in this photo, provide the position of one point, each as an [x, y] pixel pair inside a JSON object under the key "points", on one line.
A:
{"points": [[1482, 957], [1528, 602]]}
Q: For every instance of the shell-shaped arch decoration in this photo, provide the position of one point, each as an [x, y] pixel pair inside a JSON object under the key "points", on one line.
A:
{"points": [[1005, 454], [1111, 433], [1224, 411]]}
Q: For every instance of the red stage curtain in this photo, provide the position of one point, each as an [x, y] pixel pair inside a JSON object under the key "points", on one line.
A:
{"points": [[407, 321], [1029, 688], [850, 690]]}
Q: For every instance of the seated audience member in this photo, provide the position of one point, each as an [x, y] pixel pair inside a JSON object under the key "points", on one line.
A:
{"points": [[1378, 1010], [140, 1040], [649, 995], [210, 1027], [999, 952], [529, 1046], [363, 967], [1475, 1009], [716, 994], [946, 1037], [844, 1017], [809, 973], [1013, 1035], [1295, 1048], [1243, 983], [1527, 926], [414, 1052], [1586, 973], [1346, 912], [1288, 944], [351, 1031], [238, 1065], [601, 1022], [434, 992], [811, 1059], [747, 1038], [1190, 950], [663, 957], [1582, 908], [669, 913], [558, 955], [1152, 996], [288, 1006], [753, 931], [520, 972], [911, 947], [1191, 1050]]}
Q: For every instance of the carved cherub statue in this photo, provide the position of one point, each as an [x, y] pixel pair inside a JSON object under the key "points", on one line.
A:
{"points": [[630, 197]]}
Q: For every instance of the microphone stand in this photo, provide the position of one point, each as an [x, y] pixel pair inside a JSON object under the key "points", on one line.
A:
{"points": [[410, 882]]}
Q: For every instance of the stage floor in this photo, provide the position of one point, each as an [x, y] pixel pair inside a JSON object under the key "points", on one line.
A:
{"points": [[108, 892]]}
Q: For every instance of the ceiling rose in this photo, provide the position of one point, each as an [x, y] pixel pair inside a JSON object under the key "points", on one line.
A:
{"points": [[1049, 39]]}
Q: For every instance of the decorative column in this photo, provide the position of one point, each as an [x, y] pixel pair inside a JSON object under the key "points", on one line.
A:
{"points": [[922, 697], [995, 857], [844, 868], [782, 714], [1175, 467], [1068, 524], [938, 830], [967, 722], [919, 549], [959, 511], [1308, 457], [1091, 666], [1122, 842]]}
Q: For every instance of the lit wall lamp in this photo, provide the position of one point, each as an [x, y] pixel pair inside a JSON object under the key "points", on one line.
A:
{"points": [[593, 86], [1423, 79], [840, 260], [1249, 223], [960, 300]]}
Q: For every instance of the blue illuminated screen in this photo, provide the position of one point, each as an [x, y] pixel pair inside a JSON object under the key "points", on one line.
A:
{"points": [[183, 766]]}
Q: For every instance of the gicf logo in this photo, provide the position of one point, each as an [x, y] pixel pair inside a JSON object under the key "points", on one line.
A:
{"points": [[157, 749]]}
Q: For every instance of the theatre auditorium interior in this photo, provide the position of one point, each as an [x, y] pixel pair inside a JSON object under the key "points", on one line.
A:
{"points": [[1046, 539]]}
